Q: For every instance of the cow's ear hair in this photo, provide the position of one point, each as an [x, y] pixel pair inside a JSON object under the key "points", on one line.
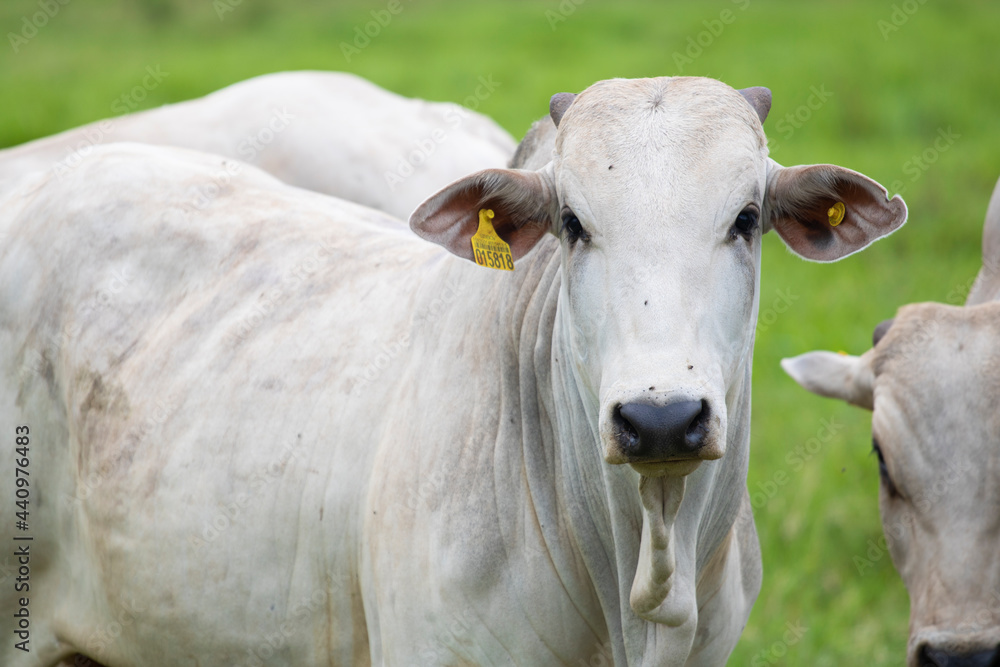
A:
{"points": [[824, 212], [834, 375], [521, 201]]}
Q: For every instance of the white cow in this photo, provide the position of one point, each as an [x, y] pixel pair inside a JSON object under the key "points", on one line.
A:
{"points": [[325, 131], [287, 430], [932, 380]]}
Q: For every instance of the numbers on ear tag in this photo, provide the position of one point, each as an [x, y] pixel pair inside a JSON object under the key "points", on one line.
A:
{"points": [[488, 248]]}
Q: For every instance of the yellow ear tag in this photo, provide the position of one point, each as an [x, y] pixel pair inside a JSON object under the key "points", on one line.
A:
{"points": [[489, 249], [836, 214]]}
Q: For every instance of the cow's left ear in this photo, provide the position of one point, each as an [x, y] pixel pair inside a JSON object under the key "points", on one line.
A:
{"points": [[521, 201], [834, 376], [824, 212]]}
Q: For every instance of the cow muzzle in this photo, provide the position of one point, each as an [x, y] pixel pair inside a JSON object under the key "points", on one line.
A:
{"points": [[664, 438]]}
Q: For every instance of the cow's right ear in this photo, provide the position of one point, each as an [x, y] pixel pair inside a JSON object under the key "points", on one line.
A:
{"points": [[834, 376], [522, 204], [824, 212]]}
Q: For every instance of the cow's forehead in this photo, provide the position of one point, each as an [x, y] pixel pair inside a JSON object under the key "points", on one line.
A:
{"points": [[926, 337], [665, 117], [940, 368]]}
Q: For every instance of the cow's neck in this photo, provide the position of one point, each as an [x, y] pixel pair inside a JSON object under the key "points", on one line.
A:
{"points": [[642, 545]]}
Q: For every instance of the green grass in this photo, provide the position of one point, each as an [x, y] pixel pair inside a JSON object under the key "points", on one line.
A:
{"points": [[891, 97]]}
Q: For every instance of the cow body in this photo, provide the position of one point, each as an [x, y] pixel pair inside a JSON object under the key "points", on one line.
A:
{"points": [[293, 433], [932, 379], [325, 131], [298, 506]]}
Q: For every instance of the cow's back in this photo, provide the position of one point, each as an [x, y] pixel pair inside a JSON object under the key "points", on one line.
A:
{"points": [[185, 379]]}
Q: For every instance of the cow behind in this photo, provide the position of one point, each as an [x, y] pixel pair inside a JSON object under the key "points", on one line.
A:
{"points": [[330, 132], [932, 380]]}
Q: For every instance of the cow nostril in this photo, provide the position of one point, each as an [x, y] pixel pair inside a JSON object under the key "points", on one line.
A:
{"points": [[625, 431], [928, 658], [698, 428], [933, 657]]}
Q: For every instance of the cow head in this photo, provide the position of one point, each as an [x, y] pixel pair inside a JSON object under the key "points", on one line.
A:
{"points": [[932, 380], [659, 191]]}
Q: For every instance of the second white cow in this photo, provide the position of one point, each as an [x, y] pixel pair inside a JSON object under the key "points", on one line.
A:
{"points": [[330, 132], [932, 380]]}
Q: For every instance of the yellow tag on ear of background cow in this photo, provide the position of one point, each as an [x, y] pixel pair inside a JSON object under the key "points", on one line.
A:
{"points": [[489, 249], [836, 214]]}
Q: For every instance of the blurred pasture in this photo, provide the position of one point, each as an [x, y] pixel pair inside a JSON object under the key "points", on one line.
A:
{"points": [[906, 92]]}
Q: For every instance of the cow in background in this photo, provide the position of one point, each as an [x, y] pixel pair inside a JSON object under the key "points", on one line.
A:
{"points": [[331, 132], [932, 381]]}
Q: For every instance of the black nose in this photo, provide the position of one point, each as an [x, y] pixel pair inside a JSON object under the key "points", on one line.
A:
{"points": [[932, 657], [648, 432]]}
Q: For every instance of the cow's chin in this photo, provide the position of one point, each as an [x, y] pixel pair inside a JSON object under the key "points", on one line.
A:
{"points": [[667, 468]]}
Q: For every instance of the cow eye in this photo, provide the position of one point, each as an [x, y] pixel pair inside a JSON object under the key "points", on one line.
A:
{"points": [[572, 229], [883, 470], [746, 222]]}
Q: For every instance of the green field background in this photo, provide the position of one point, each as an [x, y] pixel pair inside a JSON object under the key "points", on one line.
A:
{"points": [[885, 81]]}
